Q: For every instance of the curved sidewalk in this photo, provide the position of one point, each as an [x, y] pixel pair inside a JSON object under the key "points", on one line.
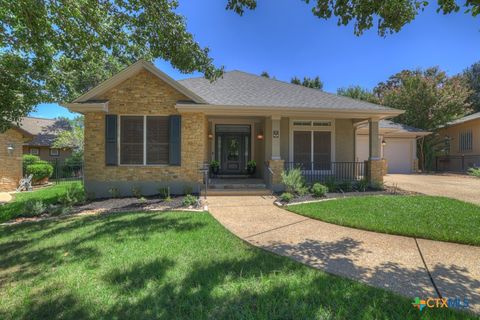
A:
{"points": [[409, 266]]}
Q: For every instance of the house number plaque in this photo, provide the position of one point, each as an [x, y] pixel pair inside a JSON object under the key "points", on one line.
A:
{"points": [[276, 134]]}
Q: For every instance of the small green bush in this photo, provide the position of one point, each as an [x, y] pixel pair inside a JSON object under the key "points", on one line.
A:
{"points": [[319, 190], [378, 186], [57, 210], [189, 200], [345, 186], [164, 192], [40, 170], [362, 185], [34, 208], [29, 159], [475, 172], [286, 197], [73, 195], [137, 191], [114, 192], [331, 184], [294, 181]]}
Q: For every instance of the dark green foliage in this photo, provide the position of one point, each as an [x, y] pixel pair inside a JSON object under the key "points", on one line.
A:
{"points": [[286, 197], [164, 192], [189, 200], [345, 186], [472, 77], [74, 194], [314, 83], [362, 185], [319, 190], [137, 192], [33, 208], [359, 93], [40, 170], [29, 159], [294, 181]]}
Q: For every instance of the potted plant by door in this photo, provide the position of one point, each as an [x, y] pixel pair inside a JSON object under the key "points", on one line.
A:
{"points": [[251, 167], [215, 167]]}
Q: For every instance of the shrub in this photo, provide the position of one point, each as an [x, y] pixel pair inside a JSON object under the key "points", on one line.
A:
{"points": [[164, 192], [286, 197], [29, 159], [345, 186], [137, 191], [474, 172], [377, 186], [40, 170], [73, 195], [34, 208], [331, 184], [114, 192], [294, 181], [56, 210], [189, 200], [362, 185], [187, 189], [319, 190]]}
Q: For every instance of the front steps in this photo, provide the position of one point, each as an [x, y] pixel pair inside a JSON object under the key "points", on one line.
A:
{"points": [[236, 186]]}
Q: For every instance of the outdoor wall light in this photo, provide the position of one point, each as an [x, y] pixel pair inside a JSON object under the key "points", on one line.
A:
{"points": [[384, 143], [10, 148], [260, 136], [210, 136]]}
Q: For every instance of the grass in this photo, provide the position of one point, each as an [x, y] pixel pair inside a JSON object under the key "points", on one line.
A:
{"points": [[48, 195], [435, 218], [174, 265]]}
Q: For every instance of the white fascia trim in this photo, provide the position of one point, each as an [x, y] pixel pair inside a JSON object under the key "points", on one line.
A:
{"points": [[286, 111], [86, 107], [131, 71]]}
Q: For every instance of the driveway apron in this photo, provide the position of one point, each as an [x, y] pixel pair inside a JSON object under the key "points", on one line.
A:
{"points": [[408, 266]]}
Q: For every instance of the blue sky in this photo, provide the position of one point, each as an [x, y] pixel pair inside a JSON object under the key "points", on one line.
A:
{"points": [[285, 39]]}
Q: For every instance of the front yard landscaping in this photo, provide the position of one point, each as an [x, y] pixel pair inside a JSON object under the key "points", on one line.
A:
{"points": [[436, 218], [171, 265]]}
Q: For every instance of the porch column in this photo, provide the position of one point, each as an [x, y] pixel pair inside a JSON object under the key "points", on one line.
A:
{"points": [[375, 166], [276, 163]]}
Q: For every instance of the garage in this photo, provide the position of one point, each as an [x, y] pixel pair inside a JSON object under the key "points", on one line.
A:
{"points": [[398, 145]]}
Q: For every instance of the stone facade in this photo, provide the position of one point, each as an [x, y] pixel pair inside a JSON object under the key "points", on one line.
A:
{"points": [[375, 170], [144, 94], [11, 165]]}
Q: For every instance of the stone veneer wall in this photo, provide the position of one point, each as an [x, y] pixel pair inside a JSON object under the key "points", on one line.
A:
{"points": [[277, 167], [144, 94], [375, 170], [10, 165]]}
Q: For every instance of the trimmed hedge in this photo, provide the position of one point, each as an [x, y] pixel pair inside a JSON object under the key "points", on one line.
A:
{"points": [[40, 170]]}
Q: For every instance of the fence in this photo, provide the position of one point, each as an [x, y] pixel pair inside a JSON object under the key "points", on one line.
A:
{"points": [[65, 171], [325, 171], [456, 163]]}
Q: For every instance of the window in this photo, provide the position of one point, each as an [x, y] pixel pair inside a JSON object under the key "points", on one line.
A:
{"points": [[312, 149], [465, 140], [34, 151], [144, 140], [314, 123], [54, 152]]}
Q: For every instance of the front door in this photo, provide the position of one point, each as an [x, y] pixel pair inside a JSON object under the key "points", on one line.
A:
{"points": [[233, 153]]}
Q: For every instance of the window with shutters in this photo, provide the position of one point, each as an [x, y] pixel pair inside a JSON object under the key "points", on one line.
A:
{"points": [[144, 140], [465, 141]]}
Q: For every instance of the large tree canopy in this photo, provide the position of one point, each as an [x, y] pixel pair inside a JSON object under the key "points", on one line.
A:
{"points": [[472, 77], [359, 93], [391, 15], [54, 50], [314, 83]]}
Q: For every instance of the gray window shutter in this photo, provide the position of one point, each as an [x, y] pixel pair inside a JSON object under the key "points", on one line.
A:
{"points": [[111, 140], [175, 140]]}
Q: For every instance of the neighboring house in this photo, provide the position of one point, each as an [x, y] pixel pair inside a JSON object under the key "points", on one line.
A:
{"points": [[398, 145], [11, 142], [144, 129], [44, 132], [462, 144]]}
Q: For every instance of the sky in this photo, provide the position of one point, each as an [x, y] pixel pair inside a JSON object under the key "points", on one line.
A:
{"points": [[283, 38]]}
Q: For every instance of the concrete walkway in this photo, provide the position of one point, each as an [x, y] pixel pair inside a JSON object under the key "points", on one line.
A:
{"points": [[454, 186], [409, 266], [5, 197]]}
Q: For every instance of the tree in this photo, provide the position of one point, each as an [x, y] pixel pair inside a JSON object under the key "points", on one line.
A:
{"points": [[359, 93], [430, 99], [56, 50], [314, 83], [265, 74], [72, 138], [472, 77], [392, 15]]}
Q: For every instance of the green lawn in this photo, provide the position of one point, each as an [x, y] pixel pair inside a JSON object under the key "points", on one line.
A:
{"points": [[48, 195], [436, 218], [174, 265]]}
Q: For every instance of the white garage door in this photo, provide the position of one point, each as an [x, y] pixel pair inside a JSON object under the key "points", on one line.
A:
{"points": [[398, 153]]}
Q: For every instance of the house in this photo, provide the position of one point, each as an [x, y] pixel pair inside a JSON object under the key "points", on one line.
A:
{"points": [[11, 142], [462, 144], [398, 143], [144, 129], [44, 132]]}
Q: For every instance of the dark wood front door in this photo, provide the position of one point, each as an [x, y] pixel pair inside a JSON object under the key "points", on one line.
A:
{"points": [[233, 153]]}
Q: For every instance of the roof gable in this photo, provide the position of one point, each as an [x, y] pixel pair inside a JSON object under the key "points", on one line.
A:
{"points": [[130, 72]]}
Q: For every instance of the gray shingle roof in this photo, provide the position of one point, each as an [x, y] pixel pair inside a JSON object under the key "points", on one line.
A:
{"points": [[387, 124], [473, 116], [44, 131], [237, 88]]}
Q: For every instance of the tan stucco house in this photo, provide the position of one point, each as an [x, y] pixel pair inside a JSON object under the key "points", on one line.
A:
{"points": [[144, 129], [462, 144]]}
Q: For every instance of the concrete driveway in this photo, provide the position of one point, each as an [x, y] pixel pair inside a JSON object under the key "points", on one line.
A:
{"points": [[409, 266], [454, 186]]}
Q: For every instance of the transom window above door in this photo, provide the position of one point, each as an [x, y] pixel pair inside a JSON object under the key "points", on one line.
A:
{"points": [[312, 123]]}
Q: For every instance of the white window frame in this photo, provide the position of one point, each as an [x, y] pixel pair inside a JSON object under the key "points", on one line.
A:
{"points": [[465, 139], [119, 137], [52, 154], [312, 128], [30, 150]]}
